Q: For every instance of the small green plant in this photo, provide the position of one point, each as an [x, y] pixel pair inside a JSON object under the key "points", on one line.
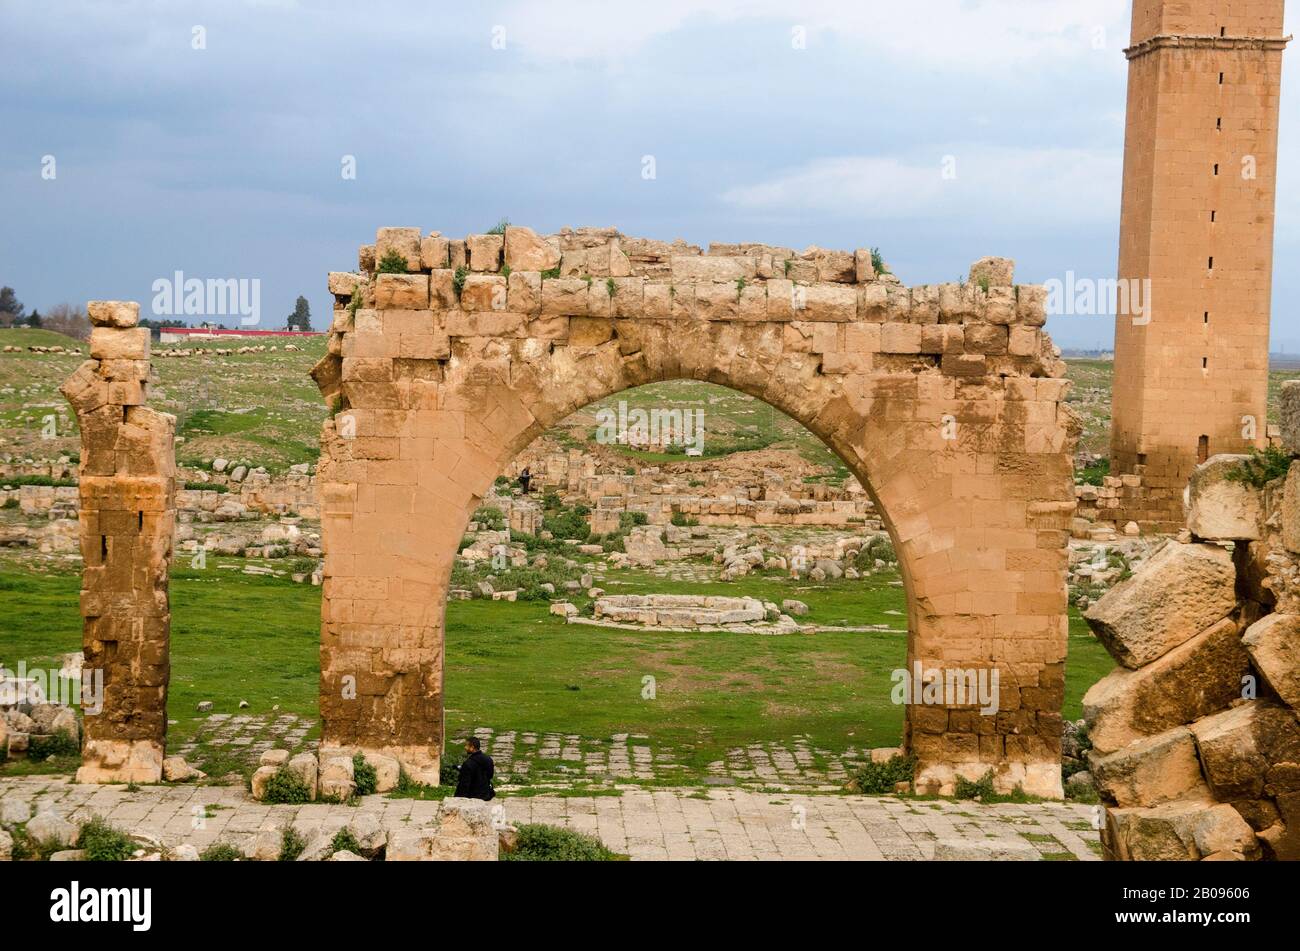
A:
{"points": [[220, 852], [551, 273], [291, 844], [489, 517], [984, 283], [545, 843], [682, 520], [505, 270], [345, 841], [364, 775], [358, 295], [1094, 473], [286, 786], [981, 788], [789, 266], [878, 262], [458, 279], [56, 744], [740, 287], [590, 280], [12, 503], [878, 778], [500, 227], [394, 262], [449, 769], [103, 843], [611, 286], [1260, 467]]}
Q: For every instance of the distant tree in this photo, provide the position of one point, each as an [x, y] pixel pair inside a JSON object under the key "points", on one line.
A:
{"points": [[34, 318], [300, 319], [11, 309], [67, 320]]}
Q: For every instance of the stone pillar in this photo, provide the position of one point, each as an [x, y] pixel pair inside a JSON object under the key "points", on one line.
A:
{"points": [[127, 480]]}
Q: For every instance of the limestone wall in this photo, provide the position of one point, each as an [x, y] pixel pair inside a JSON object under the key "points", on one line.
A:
{"points": [[127, 491], [448, 357]]}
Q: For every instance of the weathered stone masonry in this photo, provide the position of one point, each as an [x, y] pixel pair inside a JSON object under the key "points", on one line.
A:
{"points": [[946, 402], [127, 516]]}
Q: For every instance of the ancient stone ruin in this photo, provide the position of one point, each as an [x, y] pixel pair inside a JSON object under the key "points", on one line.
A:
{"points": [[127, 483], [1195, 741]]}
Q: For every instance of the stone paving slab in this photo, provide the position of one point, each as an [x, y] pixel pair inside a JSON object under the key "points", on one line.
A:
{"points": [[678, 824]]}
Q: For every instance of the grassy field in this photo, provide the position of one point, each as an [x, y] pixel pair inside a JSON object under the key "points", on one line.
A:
{"points": [[515, 667]]}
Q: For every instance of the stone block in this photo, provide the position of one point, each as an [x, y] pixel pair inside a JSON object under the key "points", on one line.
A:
{"points": [[1177, 593], [1274, 646], [1153, 770], [113, 313], [1222, 509]]}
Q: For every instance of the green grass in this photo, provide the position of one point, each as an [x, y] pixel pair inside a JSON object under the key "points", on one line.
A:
{"points": [[514, 666]]}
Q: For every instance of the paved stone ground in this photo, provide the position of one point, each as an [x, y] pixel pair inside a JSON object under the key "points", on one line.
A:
{"points": [[727, 824], [562, 759]]}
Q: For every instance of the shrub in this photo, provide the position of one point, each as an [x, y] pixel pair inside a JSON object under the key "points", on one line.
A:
{"points": [[364, 775], [568, 523], [489, 516], [551, 273], [220, 852], [610, 286], [544, 843], [878, 262], [394, 262], [458, 279], [877, 778], [449, 770], [682, 520], [1094, 473], [103, 843], [1260, 468], [10, 503], [291, 844], [500, 227], [345, 841], [877, 547], [981, 788], [286, 786], [56, 744]]}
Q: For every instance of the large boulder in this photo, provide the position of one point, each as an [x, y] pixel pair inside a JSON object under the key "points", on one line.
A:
{"points": [[1240, 747], [1222, 509], [1274, 645], [1153, 770], [1176, 594], [1194, 680], [1187, 829]]}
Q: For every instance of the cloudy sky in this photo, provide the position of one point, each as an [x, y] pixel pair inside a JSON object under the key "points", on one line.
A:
{"points": [[821, 122]]}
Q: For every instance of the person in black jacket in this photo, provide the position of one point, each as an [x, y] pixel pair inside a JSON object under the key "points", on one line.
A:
{"points": [[475, 780]]}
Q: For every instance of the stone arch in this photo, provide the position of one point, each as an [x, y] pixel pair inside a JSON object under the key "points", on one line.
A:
{"points": [[945, 401]]}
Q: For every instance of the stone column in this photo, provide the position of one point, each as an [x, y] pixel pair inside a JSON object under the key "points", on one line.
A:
{"points": [[127, 480]]}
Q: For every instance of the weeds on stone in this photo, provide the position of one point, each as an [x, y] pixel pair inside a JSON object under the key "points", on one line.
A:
{"points": [[544, 843], [286, 786], [1260, 468], [56, 744], [345, 841], [394, 262], [551, 273], [458, 279], [981, 789], [878, 262], [220, 852], [877, 778], [291, 844], [500, 227], [364, 776], [103, 843]]}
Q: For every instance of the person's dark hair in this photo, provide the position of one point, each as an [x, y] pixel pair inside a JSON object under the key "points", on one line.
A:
{"points": [[473, 742]]}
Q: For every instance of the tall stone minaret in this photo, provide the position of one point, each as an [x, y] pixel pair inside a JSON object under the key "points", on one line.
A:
{"points": [[1200, 174]]}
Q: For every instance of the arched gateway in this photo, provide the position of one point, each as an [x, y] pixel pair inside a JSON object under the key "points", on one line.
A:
{"points": [[446, 358]]}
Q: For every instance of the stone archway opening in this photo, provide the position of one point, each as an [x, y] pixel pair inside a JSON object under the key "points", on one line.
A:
{"points": [[638, 629], [449, 357]]}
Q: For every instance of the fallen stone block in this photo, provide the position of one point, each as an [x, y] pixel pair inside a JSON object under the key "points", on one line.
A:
{"points": [[1153, 770], [1221, 508], [1176, 594], [1238, 747], [1194, 680], [1274, 645], [1178, 831]]}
